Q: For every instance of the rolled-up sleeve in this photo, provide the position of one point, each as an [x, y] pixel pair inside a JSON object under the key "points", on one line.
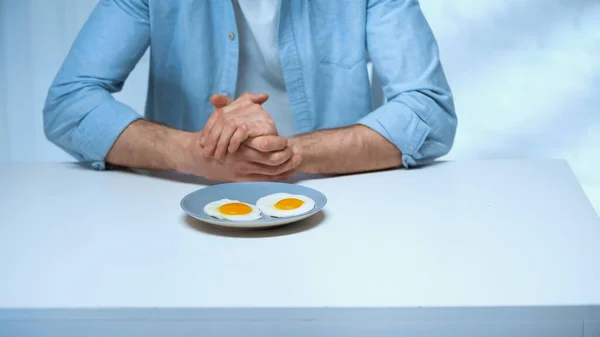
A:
{"points": [[419, 115], [80, 114]]}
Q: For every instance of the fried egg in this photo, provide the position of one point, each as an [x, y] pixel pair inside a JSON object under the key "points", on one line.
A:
{"points": [[232, 210], [281, 205]]}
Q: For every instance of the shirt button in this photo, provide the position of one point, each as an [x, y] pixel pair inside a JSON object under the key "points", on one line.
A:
{"points": [[231, 36]]}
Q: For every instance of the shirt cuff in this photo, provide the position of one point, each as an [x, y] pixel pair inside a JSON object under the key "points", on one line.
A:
{"points": [[99, 130], [402, 127]]}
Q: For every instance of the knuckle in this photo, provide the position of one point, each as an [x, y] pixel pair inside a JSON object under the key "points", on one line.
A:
{"points": [[264, 144], [233, 120], [255, 108], [213, 136], [290, 164], [277, 158], [244, 100], [229, 121], [269, 124], [277, 170]]}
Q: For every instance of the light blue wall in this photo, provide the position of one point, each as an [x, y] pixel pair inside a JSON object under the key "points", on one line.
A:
{"points": [[35, 36], [525, 73]]}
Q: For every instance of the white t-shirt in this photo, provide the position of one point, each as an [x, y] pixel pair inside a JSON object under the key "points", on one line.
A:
{"points": [[259, 69]]}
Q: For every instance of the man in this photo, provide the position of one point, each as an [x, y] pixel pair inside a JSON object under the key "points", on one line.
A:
{"points": [[254, 89]]}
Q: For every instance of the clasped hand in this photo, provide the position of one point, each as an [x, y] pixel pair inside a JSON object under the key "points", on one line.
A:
{"points": [[240, 142]]}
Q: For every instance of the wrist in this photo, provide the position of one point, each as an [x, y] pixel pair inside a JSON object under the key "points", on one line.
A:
{"points": [[184, 154], [297, 146], [294, 144]]}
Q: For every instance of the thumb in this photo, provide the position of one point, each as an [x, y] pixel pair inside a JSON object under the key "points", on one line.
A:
{"points": [[260, 98], [256, 98], [267, 143], [219, 101]]}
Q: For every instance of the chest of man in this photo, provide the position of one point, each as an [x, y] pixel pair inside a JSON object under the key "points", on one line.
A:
{"points": [[331, 32], [195, 50]]}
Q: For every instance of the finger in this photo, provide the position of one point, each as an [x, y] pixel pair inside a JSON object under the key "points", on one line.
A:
{"points": [[219, 116], [256, 98], [240, 135], [262, 128], [246, 100], [237, 104], [226, 105], [207, 130], [219, 101], [212, 139], [267, 143], [266, 158], [291, 164], [224, 140], [263, 124], [208, 126]]}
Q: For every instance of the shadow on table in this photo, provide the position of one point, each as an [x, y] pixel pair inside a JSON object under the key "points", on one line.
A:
{"points": [[184, 177], [196, 180], [293, 228], [192, 179], [165, 175], [178, 177]]}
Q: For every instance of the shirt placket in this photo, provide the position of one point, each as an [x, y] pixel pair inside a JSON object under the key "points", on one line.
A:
{"points": [[230, 35], [291, 67]]}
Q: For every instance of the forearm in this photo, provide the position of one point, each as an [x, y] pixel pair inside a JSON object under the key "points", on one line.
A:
{"points": [[346, 150], [144, 144]]}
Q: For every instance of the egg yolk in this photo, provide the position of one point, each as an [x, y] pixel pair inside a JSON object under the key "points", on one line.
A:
{"points": [[235, 208], [288, 203]]}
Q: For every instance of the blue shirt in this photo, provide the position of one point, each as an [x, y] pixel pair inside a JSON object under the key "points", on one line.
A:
{"points": [[324, 46]]}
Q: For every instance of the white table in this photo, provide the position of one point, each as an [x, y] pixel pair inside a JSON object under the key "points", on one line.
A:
{"points": [[486, 248]]}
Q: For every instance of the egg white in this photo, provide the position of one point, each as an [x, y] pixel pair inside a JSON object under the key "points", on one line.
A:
{"points": [[267, 203], [212, 209]]}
